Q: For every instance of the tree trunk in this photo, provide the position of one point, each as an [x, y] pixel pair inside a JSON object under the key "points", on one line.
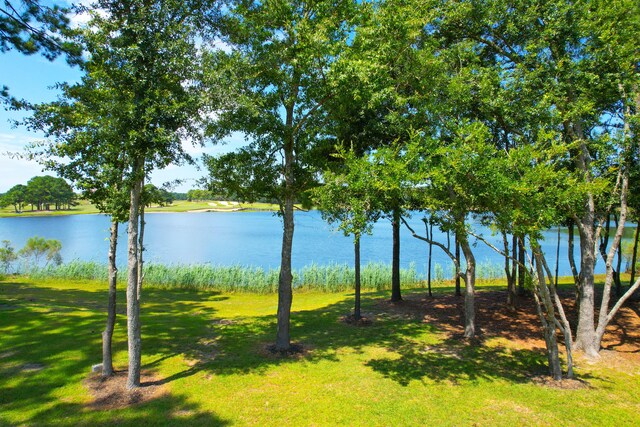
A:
{"points": [[546, 311], [521, 263], [635, 252], [605, 316], [511, 281], [356, 310], [458, 291], [395, 262], [429, 229], [557, 257], [140, 251], [469, 290], [563, 323], [107, 335], [618, 271], [585, 334], [285, 292], [604, 243], [133, 304]]}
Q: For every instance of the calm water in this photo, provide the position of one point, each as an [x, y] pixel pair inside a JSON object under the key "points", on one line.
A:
{"points": [[247, 238]]}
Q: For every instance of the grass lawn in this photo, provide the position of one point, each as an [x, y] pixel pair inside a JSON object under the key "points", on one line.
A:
{"points": [[206, 352], [84, 207]]}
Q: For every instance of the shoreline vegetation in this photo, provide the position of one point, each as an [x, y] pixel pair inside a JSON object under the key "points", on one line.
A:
{"points": [[178, 206], [375, 276]]}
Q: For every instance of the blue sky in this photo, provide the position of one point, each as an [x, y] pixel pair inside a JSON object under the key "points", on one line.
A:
{"points": [[32, 78]]}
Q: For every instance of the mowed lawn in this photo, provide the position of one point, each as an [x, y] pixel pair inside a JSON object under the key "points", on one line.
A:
{"points": [[207, 354]]}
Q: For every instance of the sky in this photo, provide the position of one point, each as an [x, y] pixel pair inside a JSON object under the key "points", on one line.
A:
{"points": [[32, 78]]}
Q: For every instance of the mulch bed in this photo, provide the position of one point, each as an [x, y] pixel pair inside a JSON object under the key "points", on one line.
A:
{"points": [[112, 393], [520, 326]]}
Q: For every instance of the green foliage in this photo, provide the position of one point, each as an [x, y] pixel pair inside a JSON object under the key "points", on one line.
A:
{"points": [[38, 249], [15, 196], [198, 195], [7, 256], [350, 199], [272, 86], [152, 195], [136, 101]]}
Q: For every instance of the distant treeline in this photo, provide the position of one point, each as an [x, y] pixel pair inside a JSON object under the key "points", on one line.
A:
{"points": [[41, 193]]}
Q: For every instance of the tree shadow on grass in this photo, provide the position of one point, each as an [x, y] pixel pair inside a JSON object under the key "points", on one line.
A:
{"points": [[165, 410], [456, 362], [50, 338], [398, 328]]}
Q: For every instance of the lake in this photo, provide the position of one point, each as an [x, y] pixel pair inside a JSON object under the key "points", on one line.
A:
{"points": [[251, 239]]}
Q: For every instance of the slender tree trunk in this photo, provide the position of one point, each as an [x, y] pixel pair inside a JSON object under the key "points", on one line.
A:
{"points": [[458, 290], [469, 290], [429, 229], [356, 246], [395, 263], [285, 292], [107, 334], [605, 315], [604, 243], [514, 263], [546, 311], [521, 263], [572, 262], [140, 251], [511, 282], [617, 273], [557, 257], [563, 323], [133, 304], [635, 253]]}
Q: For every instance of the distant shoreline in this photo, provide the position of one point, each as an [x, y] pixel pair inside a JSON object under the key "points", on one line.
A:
{"points": [[179, 206]]}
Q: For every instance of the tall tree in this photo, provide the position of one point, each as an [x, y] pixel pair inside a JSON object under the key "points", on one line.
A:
{"points": [[136, 102], [276, 76]]}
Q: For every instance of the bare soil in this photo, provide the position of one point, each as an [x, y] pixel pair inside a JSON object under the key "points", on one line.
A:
{"points": [[520, 326], [364, 320], [112, 393]]}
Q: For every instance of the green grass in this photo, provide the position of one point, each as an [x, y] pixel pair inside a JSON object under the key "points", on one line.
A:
{"points": [[84, 207], [400, 371]]}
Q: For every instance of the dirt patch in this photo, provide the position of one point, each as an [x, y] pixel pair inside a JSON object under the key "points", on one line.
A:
{"points": [[563, 384], [518, 327], [112, 393], [295, 350], [364, 320]]}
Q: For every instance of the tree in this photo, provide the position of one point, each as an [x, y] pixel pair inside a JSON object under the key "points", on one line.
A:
{"points": [[16, 197], [276, 82], [38, 249], [349, 200], [7, 256], [128, 115]]}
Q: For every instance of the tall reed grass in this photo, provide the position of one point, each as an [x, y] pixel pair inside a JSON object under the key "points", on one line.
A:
{"points": [[329, 278], [236, 278]]}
